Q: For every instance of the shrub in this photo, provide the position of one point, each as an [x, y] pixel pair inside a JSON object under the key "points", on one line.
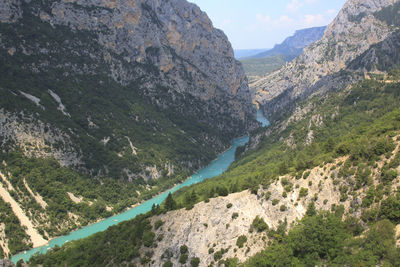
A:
{"points": [[388, 175], [183, 249], [390, 209], [369, 198], [235, 215], [229, 205], [275, 202], [218, 254], [183, 258], [158, 224], [306, 174], [303, 192], [241, 241], [194, 262], [259, 224], [167, 264], [222, 191], [148, 238], [283, 208]]}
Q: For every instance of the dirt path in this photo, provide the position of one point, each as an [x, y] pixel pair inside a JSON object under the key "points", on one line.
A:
{"points": [[36, 238]]}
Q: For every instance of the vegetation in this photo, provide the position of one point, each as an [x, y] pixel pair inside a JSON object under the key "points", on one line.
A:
{"points": [[194, 262], [358, 123], [118, 244], [256, 67], [323, 239], [167, 264], [389, 14], [171, 130], [241, 241], [259, 225], [18, 240]]}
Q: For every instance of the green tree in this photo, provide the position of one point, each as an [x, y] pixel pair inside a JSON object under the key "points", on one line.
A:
{"points": [[390, 209], [311, 210], [194, 262], [170, 203], [381, 239]]}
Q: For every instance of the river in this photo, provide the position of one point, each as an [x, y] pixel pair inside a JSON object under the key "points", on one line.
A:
{"points": [[216, 168]]}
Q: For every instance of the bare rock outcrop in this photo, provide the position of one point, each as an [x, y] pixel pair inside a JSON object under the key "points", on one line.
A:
{"points": [[166, 55], [353, 31]]}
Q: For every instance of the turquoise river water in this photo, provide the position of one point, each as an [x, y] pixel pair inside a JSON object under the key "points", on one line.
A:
{"points": [[216, 168]]}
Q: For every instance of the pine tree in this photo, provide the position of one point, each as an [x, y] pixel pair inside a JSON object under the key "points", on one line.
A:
{"points": [[170, 203]]}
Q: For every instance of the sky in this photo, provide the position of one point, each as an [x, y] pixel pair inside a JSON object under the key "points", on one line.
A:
{"points": [[255, 24]]}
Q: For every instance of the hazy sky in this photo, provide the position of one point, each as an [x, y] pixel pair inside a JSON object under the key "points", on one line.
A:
{"points": [[253, 24]]}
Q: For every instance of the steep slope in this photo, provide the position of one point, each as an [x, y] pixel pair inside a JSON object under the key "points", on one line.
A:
{"points": [[354, 30], [340, 156], [337, 152], [106, 103], [271, 60], [255, 68], [292, 46], [115, 86]]}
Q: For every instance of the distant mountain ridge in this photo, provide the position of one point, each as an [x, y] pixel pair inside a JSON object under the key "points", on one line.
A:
{"points": [[260, 64], [328, 64], [243, 53], [292, 46]]}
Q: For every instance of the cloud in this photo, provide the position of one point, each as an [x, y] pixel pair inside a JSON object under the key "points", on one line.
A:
{"points": [[284, 20], [263, 19], [314, 20], [294, 5], [331, 12]]}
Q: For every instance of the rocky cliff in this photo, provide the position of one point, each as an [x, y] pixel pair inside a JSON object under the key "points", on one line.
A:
{"points": [[293, 46], [112, 87], [358, 26]]}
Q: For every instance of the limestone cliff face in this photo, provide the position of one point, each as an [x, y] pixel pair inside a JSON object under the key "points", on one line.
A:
{"points": [[293, 46], [165, 54], [352, 33], [159, 31], [210, 227]]}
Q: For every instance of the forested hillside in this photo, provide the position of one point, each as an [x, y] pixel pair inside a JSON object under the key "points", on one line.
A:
{"points": [[105, 104], [360, 126], [319, 186]]}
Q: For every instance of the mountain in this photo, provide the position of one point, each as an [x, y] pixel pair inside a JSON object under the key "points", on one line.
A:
{"points": [[256, 66], [318, 187], [292, 46], [312, 192], [243, 53], [359, 25], [80, 58], [106, 103]]}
